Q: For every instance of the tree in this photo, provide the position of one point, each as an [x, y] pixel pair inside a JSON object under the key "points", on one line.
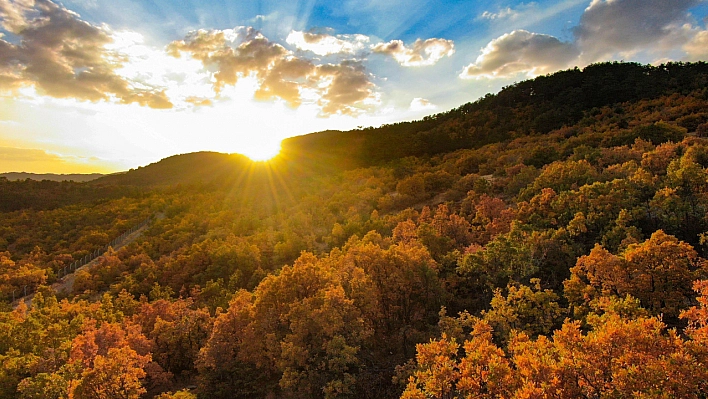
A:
{"points": [[177, 330], [111, 362], [483, 372], [525, 309], [116, 375], [658, 271], [303, 328]]}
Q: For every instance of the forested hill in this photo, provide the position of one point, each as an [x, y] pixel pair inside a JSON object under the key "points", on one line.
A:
{"points": [[534, 106], [192, 168]]}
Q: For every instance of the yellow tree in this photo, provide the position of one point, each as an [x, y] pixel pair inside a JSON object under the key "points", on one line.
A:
{"points": [[483, 372], [110, 362], [116, 375], [658, 272]]}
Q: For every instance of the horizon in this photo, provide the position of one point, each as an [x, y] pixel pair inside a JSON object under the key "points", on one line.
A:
{"points": [[97, 86]]}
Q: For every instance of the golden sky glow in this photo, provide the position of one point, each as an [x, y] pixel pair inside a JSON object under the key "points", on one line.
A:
{"points": [[107, 85]]}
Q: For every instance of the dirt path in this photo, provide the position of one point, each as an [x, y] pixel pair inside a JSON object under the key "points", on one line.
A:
{"points": [[65, 285]]}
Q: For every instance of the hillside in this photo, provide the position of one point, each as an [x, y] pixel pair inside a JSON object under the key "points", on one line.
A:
{"points": [[545, 241], [194, 168], [535, 106]]}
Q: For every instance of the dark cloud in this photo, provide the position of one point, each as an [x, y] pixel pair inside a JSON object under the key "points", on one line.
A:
{"points": [[421, 53], [231, 55], [63, 56], [521, 52]]}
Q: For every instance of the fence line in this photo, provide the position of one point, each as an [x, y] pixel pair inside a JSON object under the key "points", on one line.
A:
{"points": [[66, 270]]}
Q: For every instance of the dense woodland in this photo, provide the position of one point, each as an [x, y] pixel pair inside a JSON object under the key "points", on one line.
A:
{"points": [[548, 241]]}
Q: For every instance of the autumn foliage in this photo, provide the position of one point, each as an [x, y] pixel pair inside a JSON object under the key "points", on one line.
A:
{"points": [[522, 246]]}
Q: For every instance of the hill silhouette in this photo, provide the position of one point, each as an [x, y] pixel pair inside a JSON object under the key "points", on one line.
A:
{"points": [[191, 168]]}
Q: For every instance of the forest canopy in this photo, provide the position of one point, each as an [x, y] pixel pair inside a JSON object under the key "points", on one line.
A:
{"points": [[546, 241]]}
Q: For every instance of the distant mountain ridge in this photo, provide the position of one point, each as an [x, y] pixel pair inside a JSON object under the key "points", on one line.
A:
{"points": [[76, 177]]}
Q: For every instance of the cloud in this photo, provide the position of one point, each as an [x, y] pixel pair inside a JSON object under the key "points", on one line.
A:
{"points": [[63, 56], [528, 14], [343, 88], [215, 49], [421, 104], [199, 101], [350, 91], [502, 14], [324, 44], [421, 53], [152, 99], [521, 52], [88, 4], [284, 80], [608, 29], [697, 48], [625, 27]]}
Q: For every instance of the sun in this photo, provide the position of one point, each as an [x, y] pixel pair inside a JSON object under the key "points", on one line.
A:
{"points": [[261, 152]]}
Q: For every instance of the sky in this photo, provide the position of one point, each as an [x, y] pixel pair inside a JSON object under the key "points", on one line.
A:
{"points": [[108, 85]]}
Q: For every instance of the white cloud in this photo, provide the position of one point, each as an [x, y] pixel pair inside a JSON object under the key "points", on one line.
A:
{"points": [[344, 88], [521, 52], [421, 53], [65, 57], [501, 14], [608, 29], [526, 15], [697, 48], [324, 44]]}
